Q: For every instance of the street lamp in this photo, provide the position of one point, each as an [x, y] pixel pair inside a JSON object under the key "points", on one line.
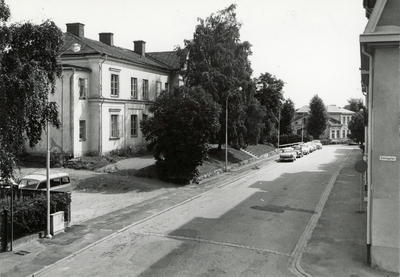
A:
{"points": [[226, 128], [279, 120], [75, 48]]}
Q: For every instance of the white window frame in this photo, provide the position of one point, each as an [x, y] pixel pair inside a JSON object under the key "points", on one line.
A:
{"points": [[116, 120], [114, 85], [82, 130], [83, 86], [134, 125], [145, 89], [134, 88]]}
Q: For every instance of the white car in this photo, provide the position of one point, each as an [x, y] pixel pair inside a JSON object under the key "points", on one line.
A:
{"points": [[287, 154], [318, 144]]}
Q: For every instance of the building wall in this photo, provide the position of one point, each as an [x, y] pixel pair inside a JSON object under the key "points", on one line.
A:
{"points": [[98, 106], [385, 172]]}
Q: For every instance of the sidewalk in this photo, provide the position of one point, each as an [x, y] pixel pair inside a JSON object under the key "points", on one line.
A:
{"points": [[338, 244]]}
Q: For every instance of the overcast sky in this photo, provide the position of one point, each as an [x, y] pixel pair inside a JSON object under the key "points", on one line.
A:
{"points": [[312, 45]]}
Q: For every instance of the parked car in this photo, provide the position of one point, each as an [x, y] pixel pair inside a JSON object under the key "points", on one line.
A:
{"points": [[318, 144], [306, 149], [311, 146], [299, 151], [38, 181], [287, 154]]}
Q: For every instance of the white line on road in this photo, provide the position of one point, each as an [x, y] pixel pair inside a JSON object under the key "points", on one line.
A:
{"points": [[212, 242]]}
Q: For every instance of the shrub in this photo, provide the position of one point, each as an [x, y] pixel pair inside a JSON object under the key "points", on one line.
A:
{"points": [[30, 213]]}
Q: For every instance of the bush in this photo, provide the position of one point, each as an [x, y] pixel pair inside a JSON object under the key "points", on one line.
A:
{"points": [[30, 213]]}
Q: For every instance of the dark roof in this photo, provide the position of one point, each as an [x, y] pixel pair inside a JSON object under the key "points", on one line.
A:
{"points": [[169, 58], [93, 47]]}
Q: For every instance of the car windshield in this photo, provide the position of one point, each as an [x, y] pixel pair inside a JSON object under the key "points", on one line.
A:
{"points": [[28, 184], [287, 150]]}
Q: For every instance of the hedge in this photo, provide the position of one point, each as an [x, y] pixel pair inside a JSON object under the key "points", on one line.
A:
{"points": [[30, 213]]}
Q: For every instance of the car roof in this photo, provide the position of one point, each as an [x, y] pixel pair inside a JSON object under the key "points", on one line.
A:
{"points": [[41, 176]]}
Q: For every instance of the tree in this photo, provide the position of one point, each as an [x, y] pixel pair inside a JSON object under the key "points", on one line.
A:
{"points": [[184, 120], [287, 116], [355, 105], [270, 96], [356, 127], [28, 71], [318, 117], [255, 114], [217, 60]]}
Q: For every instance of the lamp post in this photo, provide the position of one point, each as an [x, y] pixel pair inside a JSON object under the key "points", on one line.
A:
{"points": [[226, 128], [75, 48]]}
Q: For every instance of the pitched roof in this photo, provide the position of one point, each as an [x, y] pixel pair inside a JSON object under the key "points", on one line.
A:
{"points": [[169, 58], [93, 47], [330, 109]]}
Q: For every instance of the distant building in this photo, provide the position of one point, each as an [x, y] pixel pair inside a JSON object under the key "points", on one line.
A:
{"points": [[104, 93], [337, 129], [380, 76]]}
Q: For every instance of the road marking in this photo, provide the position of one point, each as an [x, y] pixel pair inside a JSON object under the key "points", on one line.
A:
{"points": [[212, 242], [297, 253]]}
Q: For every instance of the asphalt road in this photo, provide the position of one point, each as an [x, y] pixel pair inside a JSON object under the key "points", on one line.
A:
{"points": [[252, 226]]}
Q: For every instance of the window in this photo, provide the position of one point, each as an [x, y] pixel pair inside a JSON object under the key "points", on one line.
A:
{"points": [[333, 134], [82, 88], [134, 125], [158, 89], [134, 88], [344, 134], [114, 85], [114, 129], [145, 89], [145, 117], [166, 87], [82, 130]]}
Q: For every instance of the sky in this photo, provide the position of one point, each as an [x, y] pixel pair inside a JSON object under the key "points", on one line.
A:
{"points": [[311, 45]]}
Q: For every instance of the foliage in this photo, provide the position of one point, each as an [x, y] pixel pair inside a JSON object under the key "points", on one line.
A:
{"points": [[318, 117], [30, 213], [287, 116], [355, 104], [254, 122], [356, 127], [218, 61], [184, 120], [270, 96], [28, 72]]}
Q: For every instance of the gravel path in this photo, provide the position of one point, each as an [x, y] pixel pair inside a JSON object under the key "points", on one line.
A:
{"points": [[87, 205]]}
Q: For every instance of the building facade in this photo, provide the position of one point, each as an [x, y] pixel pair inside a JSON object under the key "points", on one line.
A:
{"points": [[104, 93], [380, 75], [338, 120]]}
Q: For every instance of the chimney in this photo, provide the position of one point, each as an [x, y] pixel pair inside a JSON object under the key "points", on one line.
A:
{"points": [[107, 38], [140, 47], [76, 29]]}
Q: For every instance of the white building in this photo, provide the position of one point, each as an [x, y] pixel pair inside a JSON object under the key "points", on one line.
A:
{"points": [[104, 92], [337, 129]]}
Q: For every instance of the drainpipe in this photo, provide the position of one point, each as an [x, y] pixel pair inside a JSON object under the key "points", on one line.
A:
{"points": [[71, 110], [369, 166], [101, 106]]}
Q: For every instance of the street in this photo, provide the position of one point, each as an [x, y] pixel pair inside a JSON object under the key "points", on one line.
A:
{"points": [[252, 226]]}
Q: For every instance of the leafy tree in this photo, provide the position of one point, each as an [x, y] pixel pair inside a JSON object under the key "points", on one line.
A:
{"points": [[184, 120], [355, 104], [287, 116], [356, 127], [318, 117], [218, 61], [255, 114], [270, 96], [28, 71]]}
